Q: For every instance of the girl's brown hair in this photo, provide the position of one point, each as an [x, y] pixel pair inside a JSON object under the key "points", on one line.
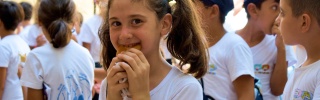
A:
{"points": [[186, 41], [55, 15]]}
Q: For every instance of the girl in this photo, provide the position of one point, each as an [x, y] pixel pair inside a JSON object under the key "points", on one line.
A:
{"points": [[11, 49], [143, 22], [63, 68]]}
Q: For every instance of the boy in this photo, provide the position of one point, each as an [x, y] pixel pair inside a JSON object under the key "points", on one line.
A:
{"points": [[230, 61], [12, 48], [300, 24], [271, 57]]}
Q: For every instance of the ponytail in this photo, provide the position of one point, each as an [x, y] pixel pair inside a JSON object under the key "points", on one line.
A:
{"points": [[186, 40], [60, 33], [55, 17]]}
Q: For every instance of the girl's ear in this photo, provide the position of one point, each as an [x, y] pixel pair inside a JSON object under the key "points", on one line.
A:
{"points": [[166, 24]]}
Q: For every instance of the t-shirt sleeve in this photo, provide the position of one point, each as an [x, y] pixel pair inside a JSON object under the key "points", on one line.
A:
{"points": [[31, 37], [190, 91], [4, 56], [32, 73], [290, 56], [240, 61], [85, 34], [103, 90]]}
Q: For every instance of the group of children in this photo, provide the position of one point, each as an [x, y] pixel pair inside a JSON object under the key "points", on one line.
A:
{"points": [[223, 64]]}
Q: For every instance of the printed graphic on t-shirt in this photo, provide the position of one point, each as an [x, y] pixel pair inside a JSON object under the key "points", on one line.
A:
{"points": [[23, 57], [77, 90], [212, 69], [304, 95], [262, 69]]}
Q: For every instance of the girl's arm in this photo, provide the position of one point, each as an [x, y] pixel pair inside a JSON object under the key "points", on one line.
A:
{"points": [[35, 94], [3, 76], [244, 83]]}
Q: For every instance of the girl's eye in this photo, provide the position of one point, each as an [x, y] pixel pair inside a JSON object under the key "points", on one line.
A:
{"points": [[116, 23], [136, 21]]}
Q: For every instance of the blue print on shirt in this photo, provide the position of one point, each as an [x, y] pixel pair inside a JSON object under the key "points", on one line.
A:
{"points": [[76, 87]]}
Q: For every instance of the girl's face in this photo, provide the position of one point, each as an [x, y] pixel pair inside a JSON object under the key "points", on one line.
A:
{"points": [[266, 15], [133, 23]]}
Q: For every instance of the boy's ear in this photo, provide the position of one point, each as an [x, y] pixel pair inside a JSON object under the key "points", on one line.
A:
{"points": [[252, 10], [214, 11], [1, 23], [166, 24], [305, 22]]}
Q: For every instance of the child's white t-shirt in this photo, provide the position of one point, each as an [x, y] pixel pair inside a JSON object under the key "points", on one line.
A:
{"points": [[301, 54], [89, 34], [264, 59], [229, 59], [175, 86], [30, 34], [11, 47], [66, 73], [305, 83]]}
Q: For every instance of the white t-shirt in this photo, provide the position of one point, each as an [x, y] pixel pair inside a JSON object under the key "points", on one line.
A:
{"points": [[11, 47], [229, 59], [175, 86], [30, 34], [305, 83], [264, 59], [67, 73], [301, 55], [89, 34]]}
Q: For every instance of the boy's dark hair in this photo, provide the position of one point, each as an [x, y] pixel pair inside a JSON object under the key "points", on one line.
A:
{"points": [[305, 6], [27, 8], [224, 7], [258, 4], [11, 14], [55, 15], [186, 41]]}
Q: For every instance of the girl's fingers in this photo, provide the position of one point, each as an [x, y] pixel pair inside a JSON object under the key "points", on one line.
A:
{"points": [[127, 68], [132, 61], [115, 74], [139, 54]]}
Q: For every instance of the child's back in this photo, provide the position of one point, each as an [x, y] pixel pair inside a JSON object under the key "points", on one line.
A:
{"points": [[66, 72]]}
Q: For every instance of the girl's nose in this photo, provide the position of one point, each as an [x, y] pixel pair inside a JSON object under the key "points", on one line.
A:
{"points": [[125, 34]]}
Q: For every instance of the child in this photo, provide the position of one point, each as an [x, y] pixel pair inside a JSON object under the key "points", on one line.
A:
{"points": [[271, 57], [12, 47], [89, 33], [62, 68], [300, 24], [131, 23], [230, 62], [27, 9]]}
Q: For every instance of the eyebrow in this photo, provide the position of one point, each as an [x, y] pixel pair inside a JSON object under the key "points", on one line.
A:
{"points": [[131, 16]]}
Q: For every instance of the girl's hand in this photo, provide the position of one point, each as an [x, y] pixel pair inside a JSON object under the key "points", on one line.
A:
{"points": [[114, 74], [137, 68]]}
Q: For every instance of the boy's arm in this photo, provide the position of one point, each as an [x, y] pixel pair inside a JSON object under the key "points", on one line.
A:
{"points": [[244, 83], [279, 75], [3, 76], [35, 94]]}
